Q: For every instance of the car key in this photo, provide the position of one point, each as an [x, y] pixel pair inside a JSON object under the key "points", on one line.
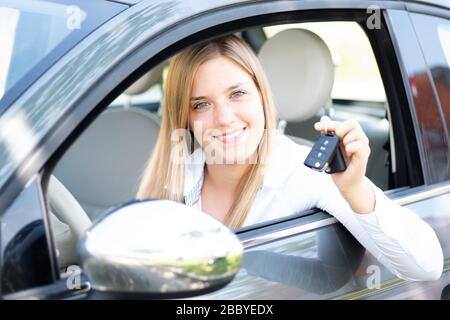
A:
{"points": [[326, 155]]}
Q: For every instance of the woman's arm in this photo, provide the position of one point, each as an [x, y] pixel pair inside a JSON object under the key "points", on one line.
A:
{"points": [[356, 150], [395, 235]]}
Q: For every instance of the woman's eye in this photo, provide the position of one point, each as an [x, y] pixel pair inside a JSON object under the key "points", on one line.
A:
{"points": [[200, 105], [237, 94]]}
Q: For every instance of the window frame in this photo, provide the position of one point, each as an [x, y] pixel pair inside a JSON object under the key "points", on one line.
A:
{"points": [[246, 23]]}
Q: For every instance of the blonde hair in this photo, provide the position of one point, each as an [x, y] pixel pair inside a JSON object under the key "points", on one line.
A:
{"points": [[163, 178]]}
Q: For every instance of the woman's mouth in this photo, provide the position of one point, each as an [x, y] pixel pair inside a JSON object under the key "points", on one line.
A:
{"points": [[231, 137]]}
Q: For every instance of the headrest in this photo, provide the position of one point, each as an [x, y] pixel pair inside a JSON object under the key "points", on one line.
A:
{"points": [[147, 81], [300, 71]]}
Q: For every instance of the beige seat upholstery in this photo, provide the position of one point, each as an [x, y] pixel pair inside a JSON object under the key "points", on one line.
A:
{"points": [[300, 71], [101, 170], [103, 167], [68, 220]]}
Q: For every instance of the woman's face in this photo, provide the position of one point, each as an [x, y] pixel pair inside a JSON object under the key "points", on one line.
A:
{"points": [[226, 112]]}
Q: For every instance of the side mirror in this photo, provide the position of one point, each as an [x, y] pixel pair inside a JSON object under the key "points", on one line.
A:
{"points": [[159, 249]]}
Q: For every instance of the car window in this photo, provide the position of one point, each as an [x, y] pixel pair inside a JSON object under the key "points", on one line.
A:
{"points": [[18, 55], [98, 173], [434, 35], [444, 38], [36, 34]]}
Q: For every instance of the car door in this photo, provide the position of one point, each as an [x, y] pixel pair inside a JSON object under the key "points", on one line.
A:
{"points": [[329, 263], [426, 66]]}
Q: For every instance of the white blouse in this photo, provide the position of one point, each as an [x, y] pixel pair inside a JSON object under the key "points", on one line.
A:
{"points": [[395, 235]]}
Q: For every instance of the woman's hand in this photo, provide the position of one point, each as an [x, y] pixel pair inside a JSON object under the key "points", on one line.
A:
{"points": [[355, 148]]}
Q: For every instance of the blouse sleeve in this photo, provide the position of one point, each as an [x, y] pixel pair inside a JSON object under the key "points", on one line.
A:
{"points": [[395, 235]]}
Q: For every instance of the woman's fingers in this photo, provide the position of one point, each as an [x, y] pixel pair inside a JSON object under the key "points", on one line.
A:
{"points": [[355, 134], [352, 136], [357, 148], [348, 126], [326, 123], [347, 131]]}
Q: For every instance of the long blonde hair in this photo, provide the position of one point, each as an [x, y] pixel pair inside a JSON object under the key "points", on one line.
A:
{"points": [[163, 178]]}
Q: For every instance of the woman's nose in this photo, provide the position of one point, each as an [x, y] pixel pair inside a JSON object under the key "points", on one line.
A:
{"points": [[224, 114]]}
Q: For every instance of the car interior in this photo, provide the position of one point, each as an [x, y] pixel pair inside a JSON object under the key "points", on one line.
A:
{"points": [[103, 167]]}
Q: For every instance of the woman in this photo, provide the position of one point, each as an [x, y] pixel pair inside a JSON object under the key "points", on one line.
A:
{"points": [[244, 173]]}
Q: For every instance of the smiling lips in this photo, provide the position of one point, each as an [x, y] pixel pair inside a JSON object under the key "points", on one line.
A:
{"points": [[231, 137]]}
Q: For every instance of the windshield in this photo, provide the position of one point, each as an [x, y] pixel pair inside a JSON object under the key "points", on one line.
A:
{"points": [[34, 34]]}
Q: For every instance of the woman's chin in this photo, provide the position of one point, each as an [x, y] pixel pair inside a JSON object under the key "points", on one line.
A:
{"points": [[231, 156]]}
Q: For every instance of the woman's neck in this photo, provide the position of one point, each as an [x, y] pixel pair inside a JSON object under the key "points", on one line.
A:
{"points": [[225, 176]]}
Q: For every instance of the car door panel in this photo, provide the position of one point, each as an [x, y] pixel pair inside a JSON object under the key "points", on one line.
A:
{"points": [[328, 263]]}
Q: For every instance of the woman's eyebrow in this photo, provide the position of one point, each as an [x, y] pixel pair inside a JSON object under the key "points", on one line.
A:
{"points": [[197, 98], [237, 85], [227, 90]]}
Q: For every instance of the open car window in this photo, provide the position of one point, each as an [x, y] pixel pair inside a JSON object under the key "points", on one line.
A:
{"points": [[97, 172]]}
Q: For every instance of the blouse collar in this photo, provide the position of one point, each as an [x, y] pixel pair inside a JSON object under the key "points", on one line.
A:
{"points": [[277, 169]]}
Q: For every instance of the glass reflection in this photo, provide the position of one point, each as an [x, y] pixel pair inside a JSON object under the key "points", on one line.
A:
{"points": [[319, 264]]}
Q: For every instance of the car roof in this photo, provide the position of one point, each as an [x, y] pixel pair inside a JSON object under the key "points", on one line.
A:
{"points": [[439, 3]]}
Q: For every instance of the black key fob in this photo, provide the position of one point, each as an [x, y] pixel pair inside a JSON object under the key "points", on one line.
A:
{"points": [[326, 155]]}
